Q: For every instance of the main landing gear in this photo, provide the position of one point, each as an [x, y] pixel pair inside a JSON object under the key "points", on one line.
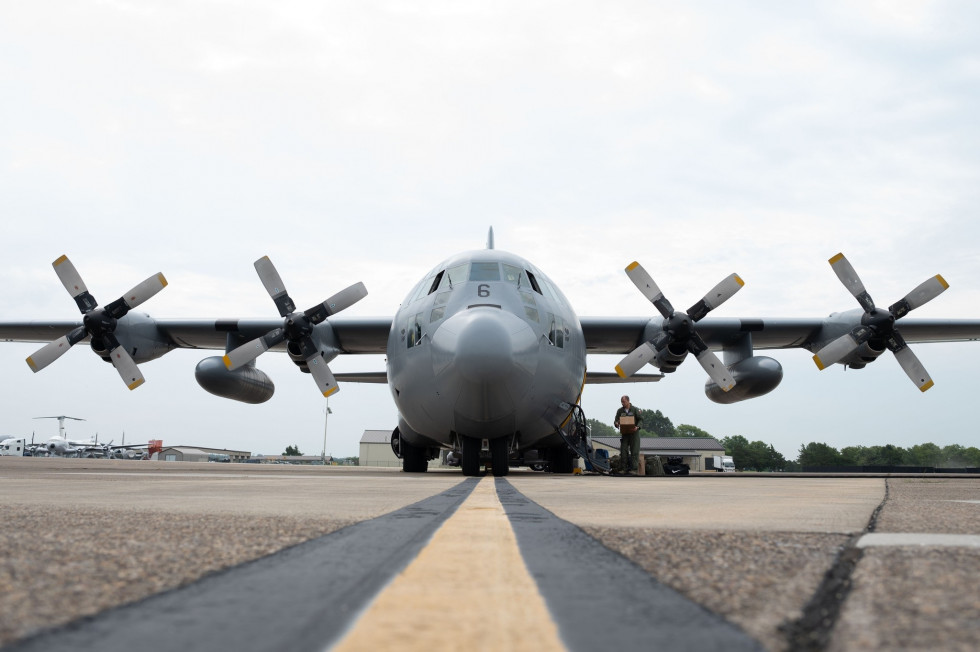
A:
{"points": [[471, 448]]}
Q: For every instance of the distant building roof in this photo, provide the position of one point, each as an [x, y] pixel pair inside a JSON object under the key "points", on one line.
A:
{"points": [[376, 437]]}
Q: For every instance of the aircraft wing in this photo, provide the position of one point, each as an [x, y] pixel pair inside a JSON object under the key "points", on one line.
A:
{"points": [[355, 335], [624, 334]]}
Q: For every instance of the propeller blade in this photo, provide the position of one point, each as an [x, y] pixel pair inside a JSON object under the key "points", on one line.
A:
{"points": [[73, 282], [126, 367], [921, 295], [54, 350], [145, 290], [845, 272], [274, 286], [251, 350], [717, 296], [340, 301], [635, 361], [325, 380], [644, 282], [714, 368], [913, 368], [841, 347]]}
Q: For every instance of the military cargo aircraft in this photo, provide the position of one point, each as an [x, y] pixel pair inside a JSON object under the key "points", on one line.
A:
{"points": [[485, 356]]}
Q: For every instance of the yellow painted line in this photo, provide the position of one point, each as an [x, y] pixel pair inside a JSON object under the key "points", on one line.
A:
{"points": [[468, 589]]}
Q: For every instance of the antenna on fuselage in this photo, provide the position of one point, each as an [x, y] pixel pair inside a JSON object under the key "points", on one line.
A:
{"points": [[490, 239]]}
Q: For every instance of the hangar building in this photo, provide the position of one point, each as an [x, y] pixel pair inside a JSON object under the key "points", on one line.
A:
{"points": [[692, 449]]}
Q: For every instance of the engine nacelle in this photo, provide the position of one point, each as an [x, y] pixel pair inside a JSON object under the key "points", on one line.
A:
{"points": [[753, 377], [864, 354], [667, 361], [246, 384]]}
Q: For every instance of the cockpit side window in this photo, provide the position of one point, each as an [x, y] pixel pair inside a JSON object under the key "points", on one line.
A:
{"points": [[516, 276], [534, 283], [454, 276], [556, 334], [413, 335], [436, 282]]}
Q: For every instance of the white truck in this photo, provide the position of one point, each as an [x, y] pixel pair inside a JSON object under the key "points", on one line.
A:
{"points": [[13, 447], [719, 463]]}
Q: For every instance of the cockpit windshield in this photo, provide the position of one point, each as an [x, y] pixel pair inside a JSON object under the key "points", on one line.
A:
{"points": [[485, 272]]}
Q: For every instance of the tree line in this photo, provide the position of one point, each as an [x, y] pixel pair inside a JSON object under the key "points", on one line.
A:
{"points": [[760, 456]]}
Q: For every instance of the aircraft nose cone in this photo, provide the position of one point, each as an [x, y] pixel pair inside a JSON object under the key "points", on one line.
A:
{"points": [[484, 350], [484, 345]]}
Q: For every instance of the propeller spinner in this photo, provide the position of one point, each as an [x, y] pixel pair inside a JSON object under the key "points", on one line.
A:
{"points": [[99, 324], [679, 328], [880, 324], [297, 327]]}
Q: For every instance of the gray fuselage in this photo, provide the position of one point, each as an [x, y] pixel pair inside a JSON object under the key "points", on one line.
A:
{"points": [[485, 346]]}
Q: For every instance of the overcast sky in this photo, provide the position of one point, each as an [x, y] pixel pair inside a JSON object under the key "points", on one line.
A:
{"points": [[370, 140]]}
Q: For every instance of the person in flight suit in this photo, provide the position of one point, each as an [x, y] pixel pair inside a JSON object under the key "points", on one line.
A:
{"points": [[629, 443]]}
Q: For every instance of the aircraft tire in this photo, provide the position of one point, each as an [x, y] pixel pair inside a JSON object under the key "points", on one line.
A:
{"points": [[500, 456], [413, 458], [470, 455]]}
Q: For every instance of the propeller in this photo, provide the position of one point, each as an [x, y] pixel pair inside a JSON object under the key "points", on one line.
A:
{"points": [[878, 324], [99, 324], [679, 328], [297, 327]]}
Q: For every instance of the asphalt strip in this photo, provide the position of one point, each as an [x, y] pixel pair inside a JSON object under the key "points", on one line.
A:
{"points": [[301, 598], [599, 599], [479, 566]]}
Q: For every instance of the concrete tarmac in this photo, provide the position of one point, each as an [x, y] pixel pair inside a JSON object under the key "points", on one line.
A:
{"points": [[96, 547]]}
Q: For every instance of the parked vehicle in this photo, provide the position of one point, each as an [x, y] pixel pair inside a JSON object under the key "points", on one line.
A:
{"points": [[720, 463]]}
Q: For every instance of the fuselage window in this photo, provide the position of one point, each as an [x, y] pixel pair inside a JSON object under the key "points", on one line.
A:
{"points": [[485, 272], [532, 313], [528, 299], [437, 314]]}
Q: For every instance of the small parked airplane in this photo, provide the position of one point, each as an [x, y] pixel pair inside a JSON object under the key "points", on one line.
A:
{"points": [[486, 348]]}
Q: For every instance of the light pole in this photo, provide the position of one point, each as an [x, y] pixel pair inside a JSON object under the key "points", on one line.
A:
{"points": [[326, 414]]}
